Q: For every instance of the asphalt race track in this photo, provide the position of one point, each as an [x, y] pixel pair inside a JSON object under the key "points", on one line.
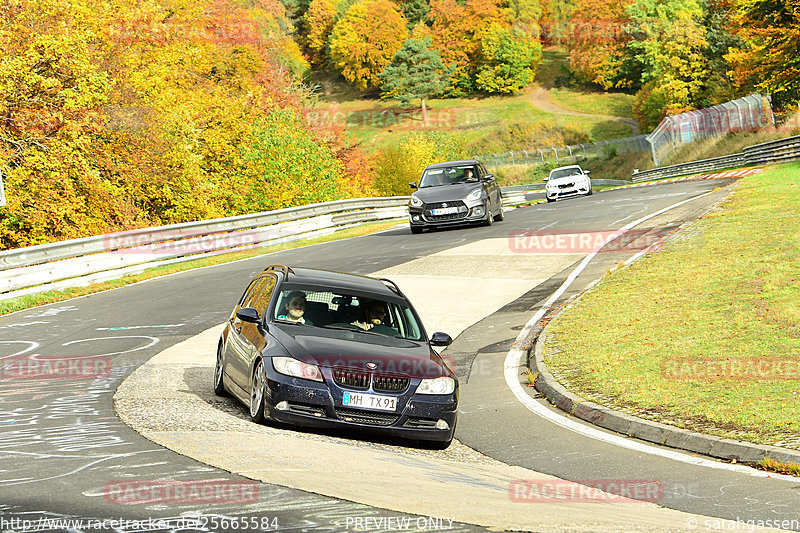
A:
{"points": [[63, 449]]}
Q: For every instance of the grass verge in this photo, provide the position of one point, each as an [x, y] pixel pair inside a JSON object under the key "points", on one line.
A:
{"points": [[704, 335], [48, 297]]}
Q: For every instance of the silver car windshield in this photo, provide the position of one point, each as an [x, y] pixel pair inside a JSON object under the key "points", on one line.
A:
{"points": [[433, 177]]}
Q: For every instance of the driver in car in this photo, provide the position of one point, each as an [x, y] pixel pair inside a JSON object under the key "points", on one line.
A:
{"points": [[374, 313]]}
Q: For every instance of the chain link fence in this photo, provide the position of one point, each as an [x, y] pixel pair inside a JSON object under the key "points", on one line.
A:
{"points": [[748, 113]]}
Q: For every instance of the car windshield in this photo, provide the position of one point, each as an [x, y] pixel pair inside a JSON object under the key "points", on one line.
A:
{"points": [[331, 308], [564, 172], [433, 177]]}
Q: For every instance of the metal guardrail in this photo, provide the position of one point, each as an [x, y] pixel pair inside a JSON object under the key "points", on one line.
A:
{"points": [[26, 268], [770, 152]]}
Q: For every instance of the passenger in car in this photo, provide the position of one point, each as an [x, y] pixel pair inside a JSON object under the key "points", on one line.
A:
{"points": [[295, 308]]}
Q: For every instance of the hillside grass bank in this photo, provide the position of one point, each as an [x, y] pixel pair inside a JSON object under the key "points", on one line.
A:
{"points": [[705, 334]]}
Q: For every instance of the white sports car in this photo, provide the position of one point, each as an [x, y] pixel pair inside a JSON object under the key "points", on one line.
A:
{"points": [[564, 182]]}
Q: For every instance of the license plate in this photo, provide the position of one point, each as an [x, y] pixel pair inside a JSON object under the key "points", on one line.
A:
{"points": [[370, 401], [444, 211]]}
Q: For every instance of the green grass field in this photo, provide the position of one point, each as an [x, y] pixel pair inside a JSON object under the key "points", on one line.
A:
{"points": [[705, 334], [376, 123]]}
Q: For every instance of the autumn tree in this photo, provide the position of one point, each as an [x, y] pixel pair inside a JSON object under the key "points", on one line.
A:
{"points": [[456, 31], [769, 60], [366, 39], [416, 71], [597, 43], [666, 52], [509, 57], [318, 23]]}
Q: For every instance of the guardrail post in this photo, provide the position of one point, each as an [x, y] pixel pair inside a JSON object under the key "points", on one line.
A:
{"points": [[556, 151], [570, 153]]}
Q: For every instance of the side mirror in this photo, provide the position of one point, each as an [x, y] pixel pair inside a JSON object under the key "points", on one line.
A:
{"points": [[546, 179], [247, 314], [441, 339], [413, 184], [489, 177], [587, 171]]}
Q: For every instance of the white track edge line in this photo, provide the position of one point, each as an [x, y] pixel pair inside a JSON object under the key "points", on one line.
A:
{"points": [[515, 357]]}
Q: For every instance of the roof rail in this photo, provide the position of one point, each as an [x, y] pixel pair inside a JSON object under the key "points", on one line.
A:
{"points": [[286, 270], [391, 284]]}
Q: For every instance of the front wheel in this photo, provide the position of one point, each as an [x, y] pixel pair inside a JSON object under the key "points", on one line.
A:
{"points": [[416, 230], [489, 217], [550, 199], [219, 386], [257, 393], [591, 192], [500, 215]]}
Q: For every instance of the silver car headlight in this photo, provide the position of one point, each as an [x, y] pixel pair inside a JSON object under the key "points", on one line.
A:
{"points": [[475, 195], [443, 385], [415, 202], [289, 366]]}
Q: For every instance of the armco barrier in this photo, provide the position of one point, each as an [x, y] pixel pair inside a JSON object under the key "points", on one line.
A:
{"points": [[24, 269], [771, 152]]}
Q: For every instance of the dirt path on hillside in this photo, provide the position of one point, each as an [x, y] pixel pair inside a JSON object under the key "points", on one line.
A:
{"points": [[540, 97]]}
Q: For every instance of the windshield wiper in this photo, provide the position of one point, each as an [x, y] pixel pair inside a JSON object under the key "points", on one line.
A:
{"points": [[353, 327]]}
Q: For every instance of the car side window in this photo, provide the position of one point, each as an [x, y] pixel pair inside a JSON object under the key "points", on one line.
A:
{"points": [[262, 299], [248, 292]]}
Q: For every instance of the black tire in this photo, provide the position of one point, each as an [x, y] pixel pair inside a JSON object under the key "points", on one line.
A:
{"points": [[591, 192], [443, 445], [219, 385], [500, 215], [489, 217], [416, 230], [257, 387], [550, 199]]}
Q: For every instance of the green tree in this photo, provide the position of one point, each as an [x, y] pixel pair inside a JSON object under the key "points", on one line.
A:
{"points": [[666, 50], [509, 60], [366, 39], [416, 71], [415, 11]]}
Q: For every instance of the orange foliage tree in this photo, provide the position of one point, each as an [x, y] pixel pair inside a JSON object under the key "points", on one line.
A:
{"points": [[366, 39]]}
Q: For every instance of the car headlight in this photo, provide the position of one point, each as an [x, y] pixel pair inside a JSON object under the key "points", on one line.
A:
{"points": [[475, 195], [415, 202], [443, 385], [289, 366]]}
